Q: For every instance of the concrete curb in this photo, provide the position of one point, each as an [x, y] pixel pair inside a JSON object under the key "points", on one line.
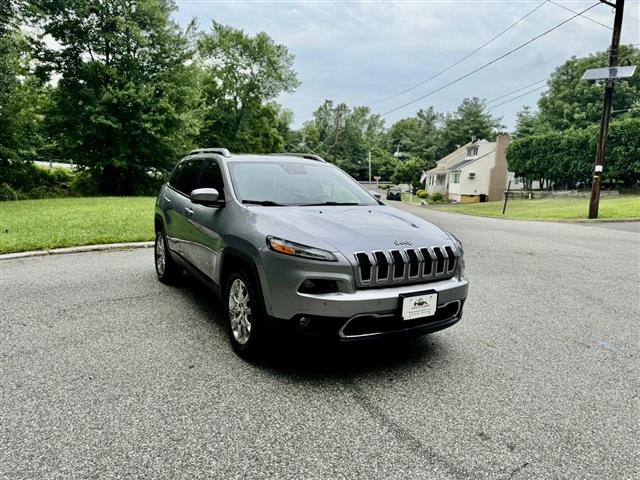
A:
{"points": [[80, 249]]}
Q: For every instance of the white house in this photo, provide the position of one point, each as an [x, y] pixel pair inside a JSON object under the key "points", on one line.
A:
{"points": [[475, 172]]}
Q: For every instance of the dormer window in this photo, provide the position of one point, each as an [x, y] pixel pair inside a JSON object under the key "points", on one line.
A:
{"points": [[472, 151]]}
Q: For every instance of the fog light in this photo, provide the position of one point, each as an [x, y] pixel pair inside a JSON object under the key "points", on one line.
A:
{"points": [[305, 322], [316, 286]]}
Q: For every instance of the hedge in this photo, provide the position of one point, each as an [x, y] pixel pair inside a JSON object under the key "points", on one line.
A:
{"points": [[567, 157]]}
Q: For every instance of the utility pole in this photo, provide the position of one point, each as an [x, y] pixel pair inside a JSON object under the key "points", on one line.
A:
{"points": [[339, 124], [369, 168], [606, 109]]}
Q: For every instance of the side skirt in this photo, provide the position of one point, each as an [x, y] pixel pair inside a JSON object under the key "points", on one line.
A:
{"points": [[196, 273]]}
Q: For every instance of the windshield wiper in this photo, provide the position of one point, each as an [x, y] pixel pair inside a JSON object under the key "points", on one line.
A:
{"points": [[340, 204], [264, 203]]}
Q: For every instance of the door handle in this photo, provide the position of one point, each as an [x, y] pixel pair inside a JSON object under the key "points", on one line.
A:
{"points": [[167, 199], [188, 211]]}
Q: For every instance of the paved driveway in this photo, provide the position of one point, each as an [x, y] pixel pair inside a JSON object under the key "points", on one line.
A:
{"points": [[107, 373]]}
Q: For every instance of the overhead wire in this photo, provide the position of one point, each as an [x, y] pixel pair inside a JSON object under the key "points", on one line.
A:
{"points": [[517, 97], [583, 16], [458, 62], [516, 91], [482, 67]]}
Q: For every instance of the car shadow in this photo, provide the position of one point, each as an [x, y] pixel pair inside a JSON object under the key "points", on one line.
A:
{"points": [[322, 360], [328, 360]]}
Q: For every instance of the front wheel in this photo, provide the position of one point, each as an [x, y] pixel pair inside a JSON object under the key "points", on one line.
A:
{"points": [[166, 269], [243, 308]]}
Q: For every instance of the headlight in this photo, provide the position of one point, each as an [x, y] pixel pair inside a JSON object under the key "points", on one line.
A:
{"points": [[461, 265], [297, 250]]}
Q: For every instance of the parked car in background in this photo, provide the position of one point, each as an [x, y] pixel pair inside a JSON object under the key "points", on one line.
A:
{"points": [[295, 246], [394, 193]]}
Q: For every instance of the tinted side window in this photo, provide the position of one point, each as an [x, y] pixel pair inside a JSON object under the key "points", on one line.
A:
{"points": [[173, 181], [188, 177], [212, 177]]}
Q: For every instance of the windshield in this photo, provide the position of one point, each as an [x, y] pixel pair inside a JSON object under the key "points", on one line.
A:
{"points": [[288, 183]]}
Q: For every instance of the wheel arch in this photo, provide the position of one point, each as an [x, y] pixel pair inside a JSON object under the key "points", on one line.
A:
{"points": [[158, 223], [233, 259]]}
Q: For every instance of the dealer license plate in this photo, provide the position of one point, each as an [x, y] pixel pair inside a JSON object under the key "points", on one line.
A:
{"points": [[419, 306]]}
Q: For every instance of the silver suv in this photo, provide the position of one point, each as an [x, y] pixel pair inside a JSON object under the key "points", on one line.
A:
{"points": [[293, 245]]}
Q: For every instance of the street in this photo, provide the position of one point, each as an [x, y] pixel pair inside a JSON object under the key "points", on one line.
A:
{"points": [[107, 373]]}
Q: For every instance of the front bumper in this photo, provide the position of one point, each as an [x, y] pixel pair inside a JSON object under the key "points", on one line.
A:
{"points": [[365, 327], [350, 313]]}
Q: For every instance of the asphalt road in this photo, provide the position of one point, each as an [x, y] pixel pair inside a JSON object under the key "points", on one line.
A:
{"points": [[106, 373]]}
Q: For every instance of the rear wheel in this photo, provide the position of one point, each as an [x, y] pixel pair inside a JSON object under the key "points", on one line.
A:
{"points": [[166, 269], [243, 307]]}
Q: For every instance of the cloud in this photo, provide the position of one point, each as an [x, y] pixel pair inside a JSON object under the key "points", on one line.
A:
{"points": [[358, 52]]}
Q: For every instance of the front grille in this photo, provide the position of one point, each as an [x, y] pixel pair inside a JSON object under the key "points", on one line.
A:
{"points": [[411, 265]]}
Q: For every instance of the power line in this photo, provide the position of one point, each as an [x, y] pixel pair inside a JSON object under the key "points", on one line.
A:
{"points": [[519, 96], [516, 91], [583, 16], [436, 75], [519, 47]]}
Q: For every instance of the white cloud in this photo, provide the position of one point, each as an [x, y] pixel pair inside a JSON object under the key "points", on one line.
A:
{"points": [[358, 52]]}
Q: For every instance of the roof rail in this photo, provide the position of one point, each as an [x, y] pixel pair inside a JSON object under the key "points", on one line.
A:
{"points": [[308, 156], [220, 151]]}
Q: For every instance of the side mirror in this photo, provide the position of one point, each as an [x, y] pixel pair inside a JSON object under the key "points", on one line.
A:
{"points": [[374, 194], [204, 196]]}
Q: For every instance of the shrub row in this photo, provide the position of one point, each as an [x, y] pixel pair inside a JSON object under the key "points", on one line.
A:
{"points": [[567, 157], [437, 197], [24, 180]]}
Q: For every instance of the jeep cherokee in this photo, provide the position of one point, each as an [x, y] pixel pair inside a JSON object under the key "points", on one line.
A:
{"points": [[292, 244]]}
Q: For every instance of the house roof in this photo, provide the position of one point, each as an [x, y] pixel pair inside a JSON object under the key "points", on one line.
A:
{"points": [[459, 165], [440, 168]]}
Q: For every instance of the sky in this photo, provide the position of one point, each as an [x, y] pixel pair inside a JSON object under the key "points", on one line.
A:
{"points": [[359, 52]]}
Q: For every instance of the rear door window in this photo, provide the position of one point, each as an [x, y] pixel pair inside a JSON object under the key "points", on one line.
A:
{"points": [[188, 178]]}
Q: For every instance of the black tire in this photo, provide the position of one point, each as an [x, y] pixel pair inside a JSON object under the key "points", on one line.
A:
{"points": [[252, 347], [167, 270]]}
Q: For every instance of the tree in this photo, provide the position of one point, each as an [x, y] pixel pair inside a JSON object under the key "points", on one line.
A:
{"points": [[22, 97], [409, 171], [567, 157], [417, 136], [527, 123], [124, 105], [8, 15], [241, 74], [383, 163], [571, 102], [471, 119], [345, 136]]}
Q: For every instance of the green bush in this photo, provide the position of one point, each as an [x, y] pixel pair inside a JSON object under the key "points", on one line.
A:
{"points": [[85, 185], [567, 157], [19, 175], [422, 194], [7, 193], [49, 191], [437, 197], [24, 180]]}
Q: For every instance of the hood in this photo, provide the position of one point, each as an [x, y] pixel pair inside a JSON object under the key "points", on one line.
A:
{"points": [[349, 229]]}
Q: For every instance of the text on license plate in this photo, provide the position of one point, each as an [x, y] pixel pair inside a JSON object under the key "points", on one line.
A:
{"points": [[419, 306]]}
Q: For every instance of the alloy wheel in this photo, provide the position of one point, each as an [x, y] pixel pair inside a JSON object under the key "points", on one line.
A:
{"points": [[160, 253], [240, 311]]}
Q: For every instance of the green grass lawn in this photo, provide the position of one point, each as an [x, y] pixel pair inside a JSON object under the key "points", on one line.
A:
{"points": [[618, 207], [65, 222]]}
